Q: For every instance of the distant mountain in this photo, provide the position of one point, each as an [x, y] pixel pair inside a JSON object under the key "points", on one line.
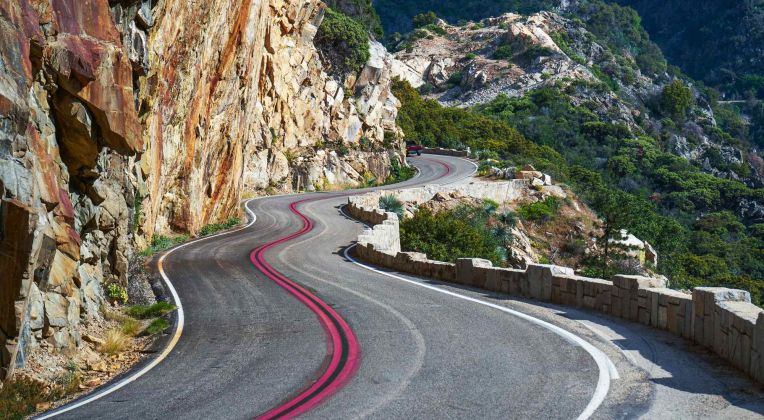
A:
{"points": [[730, 34]]}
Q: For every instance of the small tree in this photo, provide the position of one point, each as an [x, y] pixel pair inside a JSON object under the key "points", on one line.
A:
{"points": [[676, 99], [424, 19]]}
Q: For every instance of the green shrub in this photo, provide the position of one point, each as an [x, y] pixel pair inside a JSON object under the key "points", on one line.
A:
{"points": [[150, 311], [391, 203], [160, 243], [540, 211], [455, 79], [399, 173], [343, 41], [446, 236], [156, 326], [19, 396], [424, 19], [470, 56], [676, 99], [116, 293], [503, 52]]}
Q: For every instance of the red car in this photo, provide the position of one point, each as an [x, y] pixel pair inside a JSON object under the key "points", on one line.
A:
{"points": [[412, 147]]}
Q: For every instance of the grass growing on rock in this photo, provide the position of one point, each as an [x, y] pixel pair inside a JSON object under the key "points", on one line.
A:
{"points": [[160, 243], [131, 327], [19, 397], [158, 325], [150, 311], [213, 228]]}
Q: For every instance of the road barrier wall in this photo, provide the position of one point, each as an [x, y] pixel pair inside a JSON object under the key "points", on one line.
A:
{"points": [[721, 319], [446, 152]]}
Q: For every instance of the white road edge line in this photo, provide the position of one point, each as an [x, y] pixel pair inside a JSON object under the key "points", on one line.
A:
{"points": [[607, 369], [176, 336]]}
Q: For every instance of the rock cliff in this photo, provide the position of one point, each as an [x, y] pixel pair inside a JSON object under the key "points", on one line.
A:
{"points": [[124, 119]]}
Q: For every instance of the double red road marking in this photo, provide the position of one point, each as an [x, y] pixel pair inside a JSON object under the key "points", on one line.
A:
{"points": [[342, 343]]}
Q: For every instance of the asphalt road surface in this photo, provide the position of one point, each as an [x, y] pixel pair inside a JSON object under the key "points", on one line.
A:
{"points": [[278, 322]]}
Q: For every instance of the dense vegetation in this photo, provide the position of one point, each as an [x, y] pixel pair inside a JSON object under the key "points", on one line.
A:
{"points": [[716, 41], [362, 11], [632, 182], [429, 123], [464, 232], [343, 42]]}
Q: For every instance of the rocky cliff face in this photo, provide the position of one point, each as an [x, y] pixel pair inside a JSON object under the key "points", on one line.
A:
{"points": [[236, 97], [123, 119], [69, 132]]}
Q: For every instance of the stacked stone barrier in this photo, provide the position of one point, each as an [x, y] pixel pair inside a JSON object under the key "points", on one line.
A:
{"points": [[445, 152], [720, 319]]}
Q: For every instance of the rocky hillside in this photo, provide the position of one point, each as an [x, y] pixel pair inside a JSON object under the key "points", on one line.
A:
{"points": [[649, 149], [120, 120], [731, 34], [513, 55]]}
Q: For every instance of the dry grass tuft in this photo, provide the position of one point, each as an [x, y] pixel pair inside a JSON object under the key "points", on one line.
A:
{"points": [[114, 343]]}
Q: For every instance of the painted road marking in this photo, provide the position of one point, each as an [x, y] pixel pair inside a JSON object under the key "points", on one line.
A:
{"points": [[166, 352], [607, 369]]}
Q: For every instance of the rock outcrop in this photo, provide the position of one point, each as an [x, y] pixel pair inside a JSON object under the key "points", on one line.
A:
{"points": [[124, 119], [69, 132], [515, 54], [237, 98]]}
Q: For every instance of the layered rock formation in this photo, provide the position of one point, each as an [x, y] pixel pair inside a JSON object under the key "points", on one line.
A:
{"points": [[68, 134], [236, 97], [124, 119]]}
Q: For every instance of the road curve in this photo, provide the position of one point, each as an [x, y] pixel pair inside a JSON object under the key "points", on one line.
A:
{"points": [[251, 346]]}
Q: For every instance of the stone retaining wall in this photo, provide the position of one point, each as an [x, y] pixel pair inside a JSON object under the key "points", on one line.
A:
{"points": [[723, 320], [445, 152]]}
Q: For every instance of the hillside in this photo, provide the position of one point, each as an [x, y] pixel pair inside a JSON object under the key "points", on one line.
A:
{"points": [[649, 151]]}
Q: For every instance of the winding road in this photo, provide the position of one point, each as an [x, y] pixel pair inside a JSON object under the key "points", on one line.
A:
{"points": [[278, 322]]}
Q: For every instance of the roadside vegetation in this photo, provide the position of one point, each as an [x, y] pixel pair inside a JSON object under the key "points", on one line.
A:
{"points": [[689, 216], [22, 396], [467, 231], [214, 228]]}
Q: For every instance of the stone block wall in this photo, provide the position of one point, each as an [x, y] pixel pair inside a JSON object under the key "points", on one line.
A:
{"points": [[720, 319], [445, 152]]}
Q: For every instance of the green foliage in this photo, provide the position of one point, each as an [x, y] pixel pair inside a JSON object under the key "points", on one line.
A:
{"points": [[676, 99], [634, 184], [19, 397], [455, 79], [156, 326], [449, 235], [343, 41], [361, 10], [217, 227], [391, 203], [160, 243], [150, 311], [540, 211], [424, 19], [429, 123], [503, 52], [399, 173], [116, 292]]}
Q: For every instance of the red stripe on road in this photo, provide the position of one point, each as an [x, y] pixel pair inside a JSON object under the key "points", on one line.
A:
{"points": [[342, 343]]}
